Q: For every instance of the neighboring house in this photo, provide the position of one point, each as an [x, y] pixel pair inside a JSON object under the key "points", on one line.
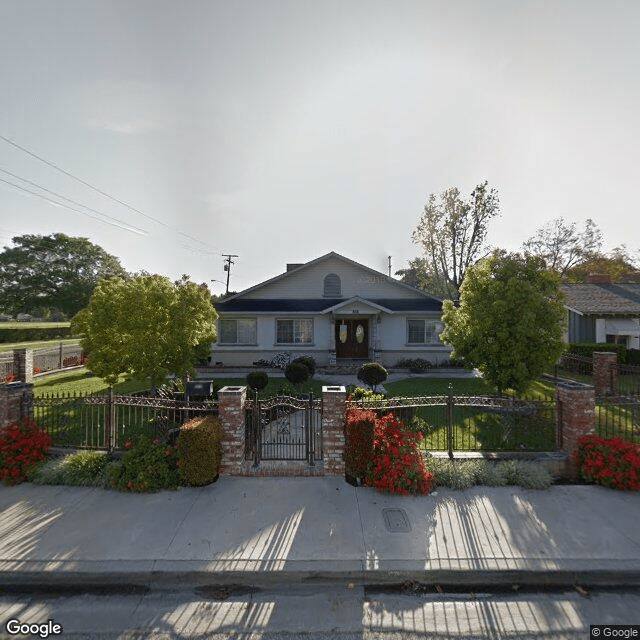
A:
{"points": [[333, 309], [602, 311]]}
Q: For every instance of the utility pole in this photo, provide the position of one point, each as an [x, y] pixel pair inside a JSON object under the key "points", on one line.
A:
{"points": [[389, 266], [227, 267]]}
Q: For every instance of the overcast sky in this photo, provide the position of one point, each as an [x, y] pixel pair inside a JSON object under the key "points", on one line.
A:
{"points": [[280, 131]]}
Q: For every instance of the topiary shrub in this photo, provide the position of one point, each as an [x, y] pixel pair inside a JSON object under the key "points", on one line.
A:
{"points": [[308, 362], [296, 373], [200, 450], [358, 449], [257, 380], [372, 374]]}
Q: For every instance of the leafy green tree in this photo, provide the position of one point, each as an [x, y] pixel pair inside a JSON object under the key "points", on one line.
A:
{"points": [[453, 231], [510, 320], [55, 272], [147, 327], [419, 276]]}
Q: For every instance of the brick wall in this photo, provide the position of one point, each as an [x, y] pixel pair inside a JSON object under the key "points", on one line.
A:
{"points": [[576, 416], [231, 410], [23, 364], [334, 401], [16, 400], [605, 372]]}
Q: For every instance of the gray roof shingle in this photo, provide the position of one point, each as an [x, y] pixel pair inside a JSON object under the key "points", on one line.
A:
{"points": [[603, 299]]}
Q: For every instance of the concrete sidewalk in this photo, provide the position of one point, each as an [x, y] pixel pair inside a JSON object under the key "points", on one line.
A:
{"points": [[256, 530]]}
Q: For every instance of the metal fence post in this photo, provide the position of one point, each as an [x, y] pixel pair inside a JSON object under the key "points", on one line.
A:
{"points": [[110, 420], [310, 433], [450, 421]]}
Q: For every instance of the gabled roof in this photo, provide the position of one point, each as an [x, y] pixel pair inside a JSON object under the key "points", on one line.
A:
{"points": [[224, 305], [603, 299], [374, 306]]}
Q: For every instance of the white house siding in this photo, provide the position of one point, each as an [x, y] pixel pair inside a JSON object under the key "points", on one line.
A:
{"points": [[392, 338], [355, 281]]}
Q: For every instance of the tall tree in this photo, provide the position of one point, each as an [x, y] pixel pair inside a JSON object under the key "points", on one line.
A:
{"points": [[56, 271], [563, 245], [147, 327], [452, 233], [418, 275], [510, 320]]}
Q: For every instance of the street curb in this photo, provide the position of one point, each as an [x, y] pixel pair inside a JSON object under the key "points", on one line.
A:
{"points": [[26, 580]]}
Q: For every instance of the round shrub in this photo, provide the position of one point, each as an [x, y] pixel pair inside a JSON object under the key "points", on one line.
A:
{"points": [[372, 374], [22, 445], [308, 362], [200, 450], [296, 373], [257, 380], [148, 465]]}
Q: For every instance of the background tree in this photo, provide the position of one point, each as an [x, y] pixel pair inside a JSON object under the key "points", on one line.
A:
{"points": [[562, 245], [452, 233], [54, 272], [147, 327], [418, 275], [510, 320], [619, 265]]}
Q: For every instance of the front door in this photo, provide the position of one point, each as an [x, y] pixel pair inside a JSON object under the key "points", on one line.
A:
{"points": [[352, 338]]}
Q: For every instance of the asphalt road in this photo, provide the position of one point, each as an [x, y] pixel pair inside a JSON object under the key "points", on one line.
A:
{"points": [[340, 612]]}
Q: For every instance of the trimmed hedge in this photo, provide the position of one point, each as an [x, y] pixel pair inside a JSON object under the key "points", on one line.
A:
{"points": [[30, 334], [586, 349], [200, 450]]}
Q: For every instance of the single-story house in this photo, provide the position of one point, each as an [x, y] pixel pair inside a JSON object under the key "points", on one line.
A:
{"points": [[602, 311], [333, 309]]}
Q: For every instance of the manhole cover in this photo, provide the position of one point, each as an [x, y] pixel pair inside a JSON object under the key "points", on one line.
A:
{"points": [[396, 520]]}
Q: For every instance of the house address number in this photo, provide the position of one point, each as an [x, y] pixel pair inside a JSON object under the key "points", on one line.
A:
{"points": [[355, 310]]}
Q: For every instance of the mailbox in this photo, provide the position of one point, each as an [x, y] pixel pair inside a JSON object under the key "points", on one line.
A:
{"points": [[200, 388]]}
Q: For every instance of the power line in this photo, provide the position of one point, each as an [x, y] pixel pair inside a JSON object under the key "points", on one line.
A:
{"points": [[58, 195], [103, 193], [66, 206]]}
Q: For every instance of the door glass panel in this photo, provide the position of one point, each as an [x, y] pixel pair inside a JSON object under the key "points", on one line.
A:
{"points": [[359, 333]]}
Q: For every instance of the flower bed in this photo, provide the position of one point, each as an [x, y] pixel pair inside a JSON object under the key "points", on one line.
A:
{"points": [[612, 462]]}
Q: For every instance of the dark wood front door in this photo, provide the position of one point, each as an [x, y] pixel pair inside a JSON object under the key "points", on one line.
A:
{"points": [[352, 338]]}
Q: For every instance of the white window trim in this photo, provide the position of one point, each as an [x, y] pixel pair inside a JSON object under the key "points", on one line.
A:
{"points": [[238, 344], [293, 344]]}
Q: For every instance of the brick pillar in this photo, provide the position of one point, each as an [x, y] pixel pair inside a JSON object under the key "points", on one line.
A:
{"points": [[231, 413], [23, 364], [334, 405], [16, 401], [605, 372], [576, 404]]}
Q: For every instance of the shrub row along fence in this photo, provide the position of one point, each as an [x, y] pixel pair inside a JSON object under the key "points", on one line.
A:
{"points": [[43, 361], [107, 421], [475, 423]]}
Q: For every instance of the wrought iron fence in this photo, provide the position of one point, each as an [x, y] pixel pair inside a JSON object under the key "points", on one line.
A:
{"points": [[619, 417], [283, 428], [106, 421], [628, 379], [7, 369], [475, 423], [571, 365]]}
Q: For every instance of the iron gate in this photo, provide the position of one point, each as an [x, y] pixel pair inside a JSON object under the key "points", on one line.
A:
{"points": [[284, 428]]}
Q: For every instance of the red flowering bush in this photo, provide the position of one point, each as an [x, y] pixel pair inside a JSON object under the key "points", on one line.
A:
{"points": [[358, 452], [21, 446], [612, 462], [8, 378], [397, 465]]}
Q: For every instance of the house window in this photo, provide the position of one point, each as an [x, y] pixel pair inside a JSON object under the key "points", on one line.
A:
{"points": [[294, 331], [332, 286], [423, 331], [238, 331]]}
